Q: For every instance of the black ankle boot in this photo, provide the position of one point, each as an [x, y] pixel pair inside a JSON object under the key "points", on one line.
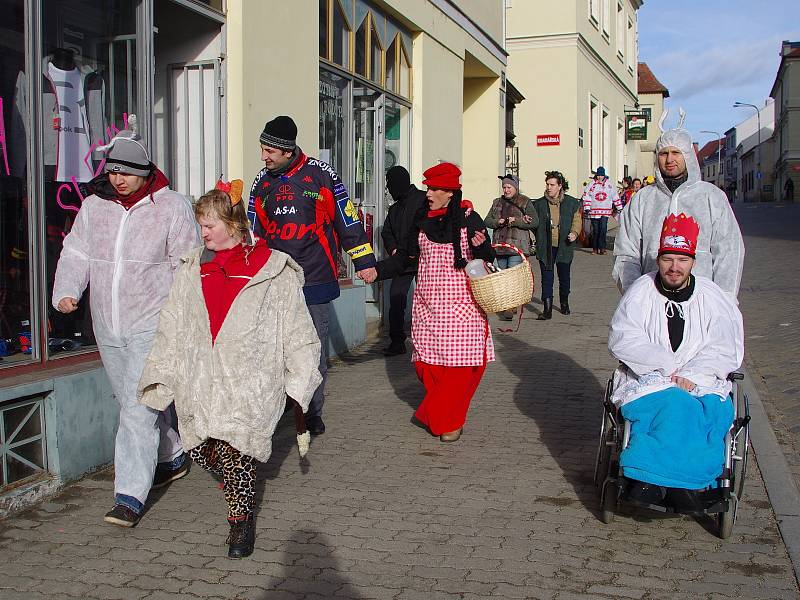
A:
{"points": [[565, 304], [242, 538], [548, 310]]}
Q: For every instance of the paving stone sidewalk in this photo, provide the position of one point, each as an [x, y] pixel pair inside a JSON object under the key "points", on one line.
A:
{"points": [[383, 511]]}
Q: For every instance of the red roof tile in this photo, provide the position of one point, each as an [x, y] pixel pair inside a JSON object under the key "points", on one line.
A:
{"points": [[709, 149], [648, 84]]}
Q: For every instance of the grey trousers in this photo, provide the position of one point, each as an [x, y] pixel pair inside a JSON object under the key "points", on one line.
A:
{"points": [[321, 315], [145, 436]]}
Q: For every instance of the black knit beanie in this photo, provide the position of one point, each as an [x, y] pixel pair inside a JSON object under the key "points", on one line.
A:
{"points": [[280, 133], [397, 181]]}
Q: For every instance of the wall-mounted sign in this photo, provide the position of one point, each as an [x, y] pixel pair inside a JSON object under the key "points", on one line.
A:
{"points": [[636, 127], [548, 139]]}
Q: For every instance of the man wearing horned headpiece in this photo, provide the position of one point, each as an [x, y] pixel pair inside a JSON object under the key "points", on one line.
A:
{"points": [[678, 188]]}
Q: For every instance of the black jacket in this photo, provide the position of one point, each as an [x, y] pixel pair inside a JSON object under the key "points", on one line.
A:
{"points": [[400, 222]]}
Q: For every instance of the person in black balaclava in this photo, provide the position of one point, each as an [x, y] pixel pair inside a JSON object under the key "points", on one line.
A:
{"points": [[396, 228]]}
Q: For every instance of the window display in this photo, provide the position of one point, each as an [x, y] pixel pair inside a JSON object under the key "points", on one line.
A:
{"points": [[88, 88], [15, 270]]}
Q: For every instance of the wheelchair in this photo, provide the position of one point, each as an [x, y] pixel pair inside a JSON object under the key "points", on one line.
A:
{"points": [[719, 501]]}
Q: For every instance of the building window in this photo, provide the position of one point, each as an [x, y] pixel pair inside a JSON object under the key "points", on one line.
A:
{"points": [[361, 48], [621, 150], [22, 447], [323, 28], [594, 133], [606, 158], [375, 55], [620, 34], [630, 45], [17, 340], [606, 18], [594, 11], [341, 34], [90, 88]]}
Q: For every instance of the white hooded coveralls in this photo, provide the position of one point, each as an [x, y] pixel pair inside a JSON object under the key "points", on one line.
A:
{"points": [[720, 249], [129, 258]]}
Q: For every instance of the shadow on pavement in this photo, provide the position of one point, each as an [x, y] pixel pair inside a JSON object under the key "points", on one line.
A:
{"points": [[312, 569], [565, 401]]}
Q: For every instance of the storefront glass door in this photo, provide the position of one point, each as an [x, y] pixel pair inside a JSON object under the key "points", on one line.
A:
{"points": [[368, 181]]}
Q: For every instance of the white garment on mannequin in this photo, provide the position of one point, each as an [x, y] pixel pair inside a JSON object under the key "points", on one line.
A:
{"points": [[71, 120]]}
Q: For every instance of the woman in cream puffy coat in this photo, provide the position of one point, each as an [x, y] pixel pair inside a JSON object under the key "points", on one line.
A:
{"points": [[234, 340]]}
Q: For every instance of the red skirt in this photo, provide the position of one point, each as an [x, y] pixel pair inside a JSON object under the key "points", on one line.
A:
{"points": [[448, 392]]}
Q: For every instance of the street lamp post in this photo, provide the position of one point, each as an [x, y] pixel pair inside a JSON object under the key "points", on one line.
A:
{"points": [[719, 150], [758, 119]]}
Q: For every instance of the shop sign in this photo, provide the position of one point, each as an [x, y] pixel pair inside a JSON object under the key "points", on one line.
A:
{"points": [[548, 139], [636, 127]]}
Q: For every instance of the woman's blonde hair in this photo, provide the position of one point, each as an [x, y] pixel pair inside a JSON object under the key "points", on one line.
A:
{"points": [[217, 204]]}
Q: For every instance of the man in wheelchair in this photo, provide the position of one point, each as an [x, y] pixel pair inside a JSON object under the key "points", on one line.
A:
{"points": [[677, 336]]}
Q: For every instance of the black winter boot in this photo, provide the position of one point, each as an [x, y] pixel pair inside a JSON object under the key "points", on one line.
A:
{"points": [[242, 537], [564, 304], [548, 310]]}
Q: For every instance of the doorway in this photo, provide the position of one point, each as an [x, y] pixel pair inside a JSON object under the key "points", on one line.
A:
{"points": [[189, 90]]}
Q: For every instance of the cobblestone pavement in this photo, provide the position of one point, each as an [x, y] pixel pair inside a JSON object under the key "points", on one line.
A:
{"points": [[384, 511], [769, 302]]}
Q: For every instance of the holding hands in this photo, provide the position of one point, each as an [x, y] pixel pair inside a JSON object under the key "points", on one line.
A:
{"points": [[368, 275]]}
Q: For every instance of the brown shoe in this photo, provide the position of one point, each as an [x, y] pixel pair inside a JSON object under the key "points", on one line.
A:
{"points": [[451, 436]]}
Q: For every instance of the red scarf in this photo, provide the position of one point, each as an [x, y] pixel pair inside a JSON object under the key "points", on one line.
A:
{"points": [[440, 212], [154, 182]]}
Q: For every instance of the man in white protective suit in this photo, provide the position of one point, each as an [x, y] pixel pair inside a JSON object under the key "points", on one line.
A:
{"points": [[678, 337], [678, 188], [126, 243]]}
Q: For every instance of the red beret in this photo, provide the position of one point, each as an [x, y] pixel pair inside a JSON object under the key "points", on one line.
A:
{"points": [[443, 176]]}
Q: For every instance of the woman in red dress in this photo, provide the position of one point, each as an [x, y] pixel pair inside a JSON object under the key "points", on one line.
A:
{"points": [[450, 333]]}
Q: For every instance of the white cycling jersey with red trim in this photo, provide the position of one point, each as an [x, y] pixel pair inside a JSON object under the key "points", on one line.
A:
{"points": [[601, 199]]}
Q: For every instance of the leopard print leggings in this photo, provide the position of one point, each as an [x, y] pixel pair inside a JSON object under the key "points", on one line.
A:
{"points": [[237, 470]]}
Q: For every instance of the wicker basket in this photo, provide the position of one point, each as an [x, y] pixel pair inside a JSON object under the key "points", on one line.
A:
{"points": [[505, 289]]}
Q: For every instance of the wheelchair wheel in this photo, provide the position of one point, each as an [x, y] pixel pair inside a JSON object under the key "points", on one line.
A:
{"points": [[604, 448], [739, 449], [608, 502]]}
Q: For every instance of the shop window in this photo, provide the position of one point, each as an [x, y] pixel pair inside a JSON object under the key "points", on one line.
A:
{"points": [[22, 447], [323, 28], [376, 57], [16, 287], [89, 89], [341, 36], [405, 72], [391, 65], [361, 48]]}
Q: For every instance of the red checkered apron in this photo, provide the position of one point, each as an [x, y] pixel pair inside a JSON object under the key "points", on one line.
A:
{"points": [[447, 327]]}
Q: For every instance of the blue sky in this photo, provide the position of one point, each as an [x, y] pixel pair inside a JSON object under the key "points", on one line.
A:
{"points": [[711, 53]]}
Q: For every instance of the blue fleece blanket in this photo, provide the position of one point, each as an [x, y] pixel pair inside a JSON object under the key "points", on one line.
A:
{"points": [[677, 440]]}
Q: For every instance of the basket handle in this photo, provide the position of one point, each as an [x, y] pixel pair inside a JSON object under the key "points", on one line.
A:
{"points": [[510, 247]]}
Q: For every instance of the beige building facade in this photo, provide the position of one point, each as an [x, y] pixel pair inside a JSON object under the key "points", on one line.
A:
{"points": [[369, 83], [786, 142], [651, 103], [576, 64]]}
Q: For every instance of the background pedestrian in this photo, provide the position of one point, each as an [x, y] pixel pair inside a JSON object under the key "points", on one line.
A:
{"points": [[511, 219], [408, 200], [559, 222]]}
